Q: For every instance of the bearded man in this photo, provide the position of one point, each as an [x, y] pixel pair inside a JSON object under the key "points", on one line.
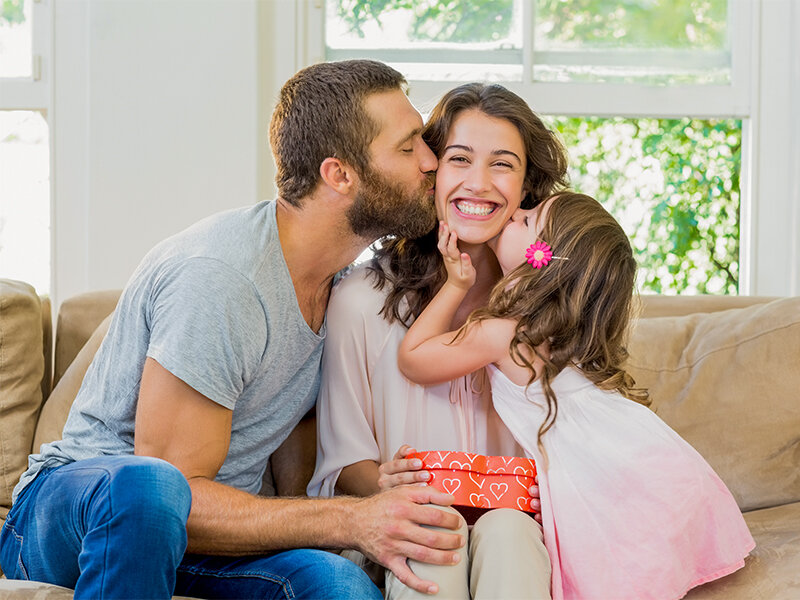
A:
{"points": [[211, 359]]}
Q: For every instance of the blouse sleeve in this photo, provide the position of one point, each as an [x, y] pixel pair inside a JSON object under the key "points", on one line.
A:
{"points": [[345, 412]]}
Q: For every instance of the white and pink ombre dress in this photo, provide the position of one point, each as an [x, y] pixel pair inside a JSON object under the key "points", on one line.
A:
{"points": [[629, 509]]}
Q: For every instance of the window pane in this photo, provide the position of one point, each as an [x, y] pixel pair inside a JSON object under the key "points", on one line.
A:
{"points": [[674, 186], [16, 46], [658, 41], [459, 40], [25, 198]]}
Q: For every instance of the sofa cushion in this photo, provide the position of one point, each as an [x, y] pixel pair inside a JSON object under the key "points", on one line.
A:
{"points": [[772, 571], [729, 383], [21, 372], [78, 317], [56, 408]]}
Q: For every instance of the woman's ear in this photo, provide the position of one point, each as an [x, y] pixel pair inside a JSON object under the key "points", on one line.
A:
{"points": [[337, 175]]}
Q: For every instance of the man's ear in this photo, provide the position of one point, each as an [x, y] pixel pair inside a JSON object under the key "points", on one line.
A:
{"points": [[337, 175]]}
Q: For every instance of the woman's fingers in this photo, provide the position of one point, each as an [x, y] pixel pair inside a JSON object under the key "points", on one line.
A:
{"points": [[403, 451], [401, 471], [386, 482]]}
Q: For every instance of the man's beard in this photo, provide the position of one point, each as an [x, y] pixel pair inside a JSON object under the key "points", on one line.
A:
{"points": [[383, 208]]}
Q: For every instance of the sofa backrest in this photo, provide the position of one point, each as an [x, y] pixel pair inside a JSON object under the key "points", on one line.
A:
{"points": [[725, 377], [78, 317], [729, 383], [22, 371]]}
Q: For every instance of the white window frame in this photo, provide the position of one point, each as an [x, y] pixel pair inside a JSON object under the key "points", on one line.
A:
{"points": [[35, 93], [760, 34]]}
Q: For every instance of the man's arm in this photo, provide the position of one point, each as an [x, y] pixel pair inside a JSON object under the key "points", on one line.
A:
{"points": [[178, 424]]}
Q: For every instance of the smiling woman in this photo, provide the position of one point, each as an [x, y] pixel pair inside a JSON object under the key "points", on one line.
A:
{"points": [[494, 153]]}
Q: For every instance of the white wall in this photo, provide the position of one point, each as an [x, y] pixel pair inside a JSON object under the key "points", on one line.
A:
{"points": [[155, 125]]}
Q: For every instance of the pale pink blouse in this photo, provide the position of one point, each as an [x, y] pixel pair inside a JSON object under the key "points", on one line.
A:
{"points": [[367, 409]]}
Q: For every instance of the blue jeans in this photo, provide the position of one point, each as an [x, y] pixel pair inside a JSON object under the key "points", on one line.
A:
{"points": [[115, 527]]}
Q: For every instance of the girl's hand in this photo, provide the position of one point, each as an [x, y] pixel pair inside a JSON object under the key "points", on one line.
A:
{"points": [[536, 503], [401, 471], [460, 271]]}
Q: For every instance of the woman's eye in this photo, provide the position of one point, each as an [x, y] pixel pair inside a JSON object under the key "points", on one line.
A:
{"points": [[460, 159], [406, 150], [503, 165]]}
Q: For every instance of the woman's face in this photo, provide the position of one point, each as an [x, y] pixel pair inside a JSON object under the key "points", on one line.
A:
{"points": [[479, 183]]}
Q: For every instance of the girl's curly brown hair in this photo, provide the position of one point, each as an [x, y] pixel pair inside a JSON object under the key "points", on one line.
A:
{"points": [[580, 308]]}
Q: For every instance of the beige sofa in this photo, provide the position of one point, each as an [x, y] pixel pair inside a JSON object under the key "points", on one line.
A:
{"points": [[723, 371]]}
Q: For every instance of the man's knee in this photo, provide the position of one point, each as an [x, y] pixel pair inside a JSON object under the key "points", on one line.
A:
{"points": [[330, 575], [151, 487]]}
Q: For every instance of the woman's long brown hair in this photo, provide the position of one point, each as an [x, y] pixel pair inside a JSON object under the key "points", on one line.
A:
{"points": [[580, 309], [413, 268]]}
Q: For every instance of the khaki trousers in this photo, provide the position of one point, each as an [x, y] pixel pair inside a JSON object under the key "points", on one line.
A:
{"points": [[505, 558]]}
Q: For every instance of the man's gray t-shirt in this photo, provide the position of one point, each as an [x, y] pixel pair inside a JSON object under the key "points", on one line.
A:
{"points": [[215, 306]]}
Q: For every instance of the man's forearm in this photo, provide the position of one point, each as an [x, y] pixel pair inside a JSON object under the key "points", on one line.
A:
{"points": [[226, 521]]}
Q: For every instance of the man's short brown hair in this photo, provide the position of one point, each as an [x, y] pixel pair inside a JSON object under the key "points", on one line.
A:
{"points": [[320, 114]]}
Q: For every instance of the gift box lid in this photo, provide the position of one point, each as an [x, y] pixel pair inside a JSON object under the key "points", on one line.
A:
{"points": [[476, 463]]}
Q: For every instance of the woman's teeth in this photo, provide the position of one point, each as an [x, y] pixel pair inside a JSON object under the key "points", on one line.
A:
{"points": [[469, 208]]}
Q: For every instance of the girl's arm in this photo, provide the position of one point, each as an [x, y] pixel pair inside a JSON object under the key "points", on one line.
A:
{"points": [[426, 355]]}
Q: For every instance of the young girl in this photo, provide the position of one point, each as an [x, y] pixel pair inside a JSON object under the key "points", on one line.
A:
{"points": [[629, 509]]}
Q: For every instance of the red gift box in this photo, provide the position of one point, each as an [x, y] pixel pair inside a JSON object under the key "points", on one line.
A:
{"points": [[480, 482]]}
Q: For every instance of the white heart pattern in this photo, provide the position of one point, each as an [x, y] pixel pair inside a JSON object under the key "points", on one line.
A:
{"points": [[495, 489], [478, 500], [524, 503], [477, 479], [451, 485], [457, 466]]}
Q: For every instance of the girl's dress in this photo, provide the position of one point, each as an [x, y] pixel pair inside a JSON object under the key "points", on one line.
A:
{"points": [[629, 509]]}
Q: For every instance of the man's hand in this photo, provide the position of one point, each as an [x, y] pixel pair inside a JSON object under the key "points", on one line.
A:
{"points": [[460, 272], [401, 471], [536, 503], [391, 532]]}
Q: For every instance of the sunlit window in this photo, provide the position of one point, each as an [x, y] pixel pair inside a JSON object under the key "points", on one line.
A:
{"points": [[16, 38], [658, 41], [673, 183], [25, 198], [24, 150]]}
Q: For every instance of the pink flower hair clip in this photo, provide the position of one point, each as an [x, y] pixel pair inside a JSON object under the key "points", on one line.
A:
{"points": [[539, 254]]}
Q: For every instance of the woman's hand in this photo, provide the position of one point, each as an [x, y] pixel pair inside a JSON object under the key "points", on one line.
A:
{"points": [[536, 503], [401, 470], [460, 271]]}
